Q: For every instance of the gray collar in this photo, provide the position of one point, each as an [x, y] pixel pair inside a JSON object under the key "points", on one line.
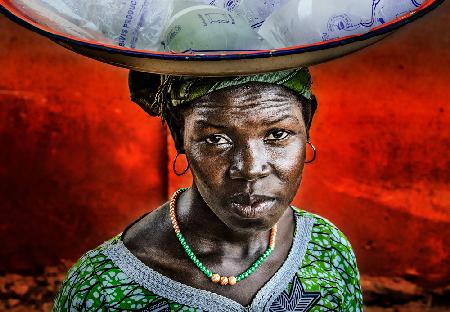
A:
{"points": [[205, 300]]}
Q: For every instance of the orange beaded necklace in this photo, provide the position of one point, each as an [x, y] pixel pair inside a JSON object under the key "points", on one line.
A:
{"points": [[216, 278]]}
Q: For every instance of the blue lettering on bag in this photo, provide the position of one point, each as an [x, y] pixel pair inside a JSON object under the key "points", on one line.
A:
{"points": [[128, 19]]}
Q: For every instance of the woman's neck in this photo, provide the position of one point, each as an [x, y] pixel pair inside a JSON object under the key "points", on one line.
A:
{"points": [[203, 228]]}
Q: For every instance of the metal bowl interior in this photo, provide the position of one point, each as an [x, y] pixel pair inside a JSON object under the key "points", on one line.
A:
{"points": [[217, 63]]}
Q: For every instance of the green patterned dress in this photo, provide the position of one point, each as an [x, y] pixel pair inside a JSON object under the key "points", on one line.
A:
{"points": [[319, 274]]}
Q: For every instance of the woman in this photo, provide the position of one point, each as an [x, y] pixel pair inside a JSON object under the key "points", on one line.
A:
{"points": [[231, 242]]}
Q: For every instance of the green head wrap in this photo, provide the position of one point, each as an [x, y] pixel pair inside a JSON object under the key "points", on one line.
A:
{"points": [[155, 92]]}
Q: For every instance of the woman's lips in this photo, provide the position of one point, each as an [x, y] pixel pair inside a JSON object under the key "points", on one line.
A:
{"points": [[251, 206]]}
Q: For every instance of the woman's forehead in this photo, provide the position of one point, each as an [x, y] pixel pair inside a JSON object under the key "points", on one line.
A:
{"points": [[247, 106], [251, 97]]}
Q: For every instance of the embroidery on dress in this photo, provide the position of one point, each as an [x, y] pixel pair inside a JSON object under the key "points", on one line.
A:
{"points": [[297, 301]]}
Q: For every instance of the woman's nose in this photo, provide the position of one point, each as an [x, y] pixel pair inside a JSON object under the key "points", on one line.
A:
{"points": [[249, 163]]}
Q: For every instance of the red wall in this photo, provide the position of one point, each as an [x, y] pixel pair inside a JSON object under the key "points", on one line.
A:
{"points": [[79, 161]]}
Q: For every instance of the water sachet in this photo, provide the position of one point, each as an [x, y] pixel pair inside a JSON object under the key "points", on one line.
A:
{"points": [[210, 28], [136, 24], [58, 16], [301, 22]]}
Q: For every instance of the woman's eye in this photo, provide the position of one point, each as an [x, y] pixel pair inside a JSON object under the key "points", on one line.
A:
{"points": [[277, 135], [217, 139]]}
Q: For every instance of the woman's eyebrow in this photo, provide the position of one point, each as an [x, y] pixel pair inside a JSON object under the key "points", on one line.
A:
{"points": [[280, 119], [207, 124]]}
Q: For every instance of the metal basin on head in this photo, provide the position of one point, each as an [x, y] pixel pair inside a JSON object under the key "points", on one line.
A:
{"points": [[210, 62]]}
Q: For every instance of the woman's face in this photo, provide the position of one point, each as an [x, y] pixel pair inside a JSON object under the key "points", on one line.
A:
{"points": [[246, 151]]}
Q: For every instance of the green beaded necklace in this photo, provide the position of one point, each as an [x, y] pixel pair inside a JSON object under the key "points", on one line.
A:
{"points": [[216, 278]]}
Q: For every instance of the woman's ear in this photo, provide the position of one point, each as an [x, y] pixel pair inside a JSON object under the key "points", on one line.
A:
{"points": [[308, 107], [176, 131], [177, 137]]}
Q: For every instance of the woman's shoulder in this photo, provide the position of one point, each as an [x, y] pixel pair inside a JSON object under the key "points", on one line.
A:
{"points": [[81, 289], [95, 282], [90, 264], [327, 241], [329, 263], [324, 231]]}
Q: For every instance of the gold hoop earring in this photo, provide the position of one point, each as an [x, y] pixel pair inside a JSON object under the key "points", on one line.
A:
{"points": [[174, 167], [314, 155]]}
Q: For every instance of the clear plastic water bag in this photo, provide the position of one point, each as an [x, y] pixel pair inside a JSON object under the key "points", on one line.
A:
{"points": [[210, 28], [254, 12], [388, 10], [136, 24], [57, 15], [301, 22]]}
